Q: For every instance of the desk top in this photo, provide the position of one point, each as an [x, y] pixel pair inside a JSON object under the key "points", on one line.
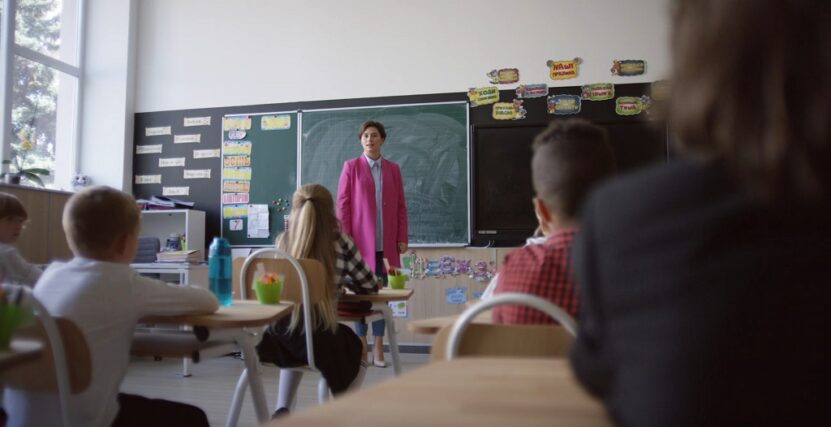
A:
{"points": [[20, 350], [239, 314], [384, 295], [476, 392], [433, 324]]}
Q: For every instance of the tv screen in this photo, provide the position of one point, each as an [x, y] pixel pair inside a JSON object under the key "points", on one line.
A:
{"points": [[502, 214]]}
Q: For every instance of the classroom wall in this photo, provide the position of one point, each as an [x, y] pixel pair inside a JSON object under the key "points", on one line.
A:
{"points": [[213, 53]]}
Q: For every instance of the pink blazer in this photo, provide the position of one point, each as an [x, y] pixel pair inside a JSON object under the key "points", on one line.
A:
{"points": [[356, 208]]}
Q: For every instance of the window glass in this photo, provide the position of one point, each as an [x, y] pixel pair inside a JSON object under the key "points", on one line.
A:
{"points": [[48, 27]]}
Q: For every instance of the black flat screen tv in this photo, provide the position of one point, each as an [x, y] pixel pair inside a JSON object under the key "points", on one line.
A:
{"points": [[501, 189]]}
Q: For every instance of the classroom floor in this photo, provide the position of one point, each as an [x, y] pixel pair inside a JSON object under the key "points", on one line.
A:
{"points": [[212, 384]]}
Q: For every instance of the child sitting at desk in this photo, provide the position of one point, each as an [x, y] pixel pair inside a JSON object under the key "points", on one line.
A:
{"points": [[13, 268], [314, 232], [570, 157], [105, 298]]}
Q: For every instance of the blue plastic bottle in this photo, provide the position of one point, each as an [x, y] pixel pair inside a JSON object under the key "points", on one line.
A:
{"points": [[219, 269]]}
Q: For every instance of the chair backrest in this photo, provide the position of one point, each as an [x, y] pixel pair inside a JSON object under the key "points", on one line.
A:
{"points": [[64, 345], [491, 340], [463, 322]]}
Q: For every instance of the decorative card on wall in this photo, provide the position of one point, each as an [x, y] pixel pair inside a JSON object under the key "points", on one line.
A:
{"points": [[532, 91], [628, 67], [564, 104], [509, 110], [504, 76], [561, 70], [483, 95], [598, 92], [631, 105]]}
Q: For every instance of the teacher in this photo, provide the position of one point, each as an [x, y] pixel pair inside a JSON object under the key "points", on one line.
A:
{"points": [[371, 209]]}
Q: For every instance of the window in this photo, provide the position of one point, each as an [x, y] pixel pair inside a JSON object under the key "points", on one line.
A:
{"points": [[42, 78]]}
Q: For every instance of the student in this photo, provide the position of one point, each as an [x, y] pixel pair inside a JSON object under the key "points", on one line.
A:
{"points": [[704, 281], [105, 298], [372, 211], [314, 232], [13, 267], [570, 157]]}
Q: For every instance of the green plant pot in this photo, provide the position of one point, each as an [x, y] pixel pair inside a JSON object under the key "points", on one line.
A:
{"points": [[268, 293], [11, 316], [398, 281]]}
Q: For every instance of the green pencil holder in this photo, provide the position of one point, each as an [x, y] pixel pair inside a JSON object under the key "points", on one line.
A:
{"points": [[268, 293], [397, 281], [11, 316]]}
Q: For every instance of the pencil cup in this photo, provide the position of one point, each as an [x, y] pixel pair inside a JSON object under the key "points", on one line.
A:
{"points": [[268, 293], [397, 281], [11, 316]]}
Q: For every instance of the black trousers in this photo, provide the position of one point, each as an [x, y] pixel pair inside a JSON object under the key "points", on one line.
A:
{"points": [[138, 411]]}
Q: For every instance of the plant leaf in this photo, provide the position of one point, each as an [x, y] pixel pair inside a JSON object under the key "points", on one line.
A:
{"points": [[32, 177], [38, 171]]}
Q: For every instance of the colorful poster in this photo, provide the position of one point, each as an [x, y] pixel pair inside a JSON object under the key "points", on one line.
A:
{"points": [[206, 154], [628, 67], [197, 121], [171, 162], [187, 139], [234, 186], [504, 76], [236, 173], [483, 95], [175, 191], [398, 308], [148, 149], [564, 104], [236, 134], [631, 105], [456, 295], [234, 198], [197, 173], [235, 123], [282, 121], [235, 211], [561, 70], [532, 91], [148, 179], [236, 147], [236, 161], [598, 92], [156, 131], [509, 110]]}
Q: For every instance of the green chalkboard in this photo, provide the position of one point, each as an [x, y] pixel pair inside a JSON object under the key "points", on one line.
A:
{"points": [[273, 167], [428, 141]]}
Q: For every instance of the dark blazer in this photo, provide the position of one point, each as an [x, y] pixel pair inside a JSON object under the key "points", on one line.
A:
{"points": [[700, 306]]}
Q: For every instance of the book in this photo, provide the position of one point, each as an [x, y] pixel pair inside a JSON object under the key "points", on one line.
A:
{"points": [[193, 255], [161, 202]]}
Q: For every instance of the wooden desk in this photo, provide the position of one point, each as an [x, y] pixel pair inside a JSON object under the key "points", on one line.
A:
{"points": [[476, 392], [231, 322], [380, 302], [19, 351], [432, 325]]}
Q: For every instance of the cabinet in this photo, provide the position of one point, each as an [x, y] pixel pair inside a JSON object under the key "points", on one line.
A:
{"points": [[43, 240], [163, 223]]}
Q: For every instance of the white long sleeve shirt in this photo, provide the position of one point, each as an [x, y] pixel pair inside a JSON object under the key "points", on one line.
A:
{"points": [[105, 300], [16, 270]]}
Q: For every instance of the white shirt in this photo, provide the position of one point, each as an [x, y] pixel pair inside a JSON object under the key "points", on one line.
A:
{"points": [[105, 300], [16, 270]]}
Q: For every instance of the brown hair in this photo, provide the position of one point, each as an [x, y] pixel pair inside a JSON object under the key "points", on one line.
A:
{"points": [[570, 157], [10, 207], [372, 124], [751, 90], [96, 217], [312, 233]]}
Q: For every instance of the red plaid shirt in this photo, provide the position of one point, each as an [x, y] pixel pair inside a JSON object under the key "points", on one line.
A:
{"points": [[543, 270]]}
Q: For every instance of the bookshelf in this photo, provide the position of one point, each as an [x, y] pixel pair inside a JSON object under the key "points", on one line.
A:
{"points": [[163, 223]]}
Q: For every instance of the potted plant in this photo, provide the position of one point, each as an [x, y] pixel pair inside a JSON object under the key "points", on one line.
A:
{"points": [[18, 162]]}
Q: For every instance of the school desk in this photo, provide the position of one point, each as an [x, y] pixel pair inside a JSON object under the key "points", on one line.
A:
{"points": [[20, 350], [432, 325], [380, 302], [226, 324], [475, 392]]}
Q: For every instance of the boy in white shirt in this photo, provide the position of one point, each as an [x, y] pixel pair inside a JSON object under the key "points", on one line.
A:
{"points": [[100, 293], [14, 268]]}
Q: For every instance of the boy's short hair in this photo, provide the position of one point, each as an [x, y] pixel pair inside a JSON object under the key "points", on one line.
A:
{"points": [[96, 217], [10, 207], [570, 157]]}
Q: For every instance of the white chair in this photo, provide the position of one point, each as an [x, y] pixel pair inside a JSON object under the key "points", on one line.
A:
{"points": [[303, 283], [64, 342], [458, 328]]}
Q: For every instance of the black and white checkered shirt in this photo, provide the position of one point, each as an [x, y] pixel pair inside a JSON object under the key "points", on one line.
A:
{"points": [[351, 270]]}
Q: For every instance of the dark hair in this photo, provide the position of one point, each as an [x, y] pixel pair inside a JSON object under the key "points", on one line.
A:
{"points": [[10, 207], [751, 90], [570, 157], [372, 124]]}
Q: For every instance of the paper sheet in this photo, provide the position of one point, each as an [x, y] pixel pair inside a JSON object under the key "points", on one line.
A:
{"points": [[205, 154], [258, 221], [175, 191], [156, 131], [148, 149], [148, 179], [187, 139], [170, 162], [197, 173], [197, 121]]}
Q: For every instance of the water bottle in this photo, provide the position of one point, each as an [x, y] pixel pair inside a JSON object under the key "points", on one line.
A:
{"points": [[219, 269]]}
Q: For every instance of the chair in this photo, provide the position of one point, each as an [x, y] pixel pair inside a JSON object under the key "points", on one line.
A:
{"points": [[303, 283], [63, 342], [464, 338]]}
